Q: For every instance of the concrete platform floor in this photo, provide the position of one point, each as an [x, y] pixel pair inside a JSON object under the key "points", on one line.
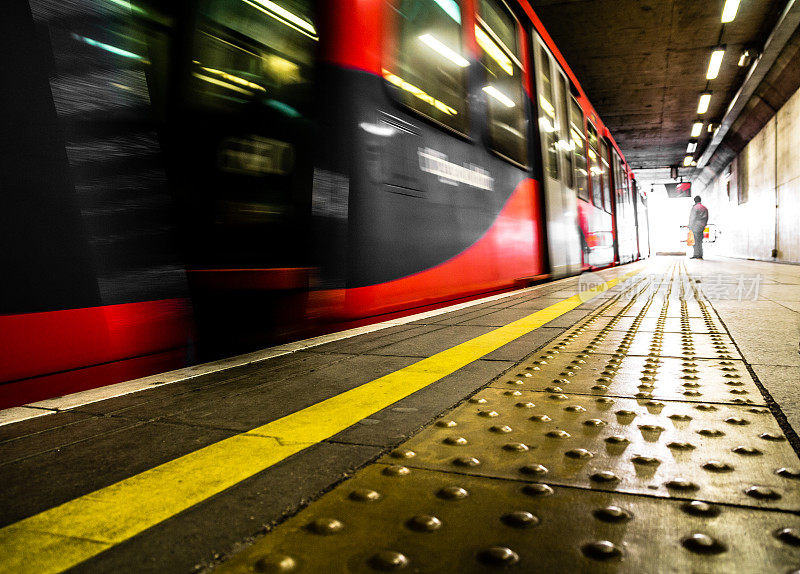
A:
{"points": [[190, 475]]}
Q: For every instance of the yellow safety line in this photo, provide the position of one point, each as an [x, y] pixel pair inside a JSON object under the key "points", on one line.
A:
{"points": [[64, 536]]}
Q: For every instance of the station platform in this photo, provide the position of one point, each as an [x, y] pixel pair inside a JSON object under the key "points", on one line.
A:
{"points": [[636, 419]]}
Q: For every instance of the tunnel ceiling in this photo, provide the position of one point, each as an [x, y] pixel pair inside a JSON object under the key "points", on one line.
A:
{"points": [[643, 65]]}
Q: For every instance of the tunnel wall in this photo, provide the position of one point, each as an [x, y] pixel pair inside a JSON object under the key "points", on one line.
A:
{"points": [[742, 199]]}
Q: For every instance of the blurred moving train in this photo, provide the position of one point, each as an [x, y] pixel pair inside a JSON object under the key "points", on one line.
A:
{"points": [[204, 171]]}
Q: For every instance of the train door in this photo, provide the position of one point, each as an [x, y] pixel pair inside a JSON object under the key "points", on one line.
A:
{"points": [[620, 175], [241, 138], [557, 173], [642, 223], [626, 223], [245, 132], [635, 247]]}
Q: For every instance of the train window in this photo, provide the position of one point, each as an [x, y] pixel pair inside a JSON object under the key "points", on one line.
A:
{"points": [[499, 22], [594, 167], [578, 146], [427, 66], [565, 141], [242, 57], [592, 136], [627, 194], [623, 184], [496, 33], [547, 115], [606, 175]]}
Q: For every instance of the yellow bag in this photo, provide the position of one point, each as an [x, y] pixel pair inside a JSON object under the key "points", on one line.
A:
{"points": [[690, 239]]}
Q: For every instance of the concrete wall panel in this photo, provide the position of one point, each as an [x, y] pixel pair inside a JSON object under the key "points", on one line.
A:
{"points": [[772, 157], [789, 221], [789, 140]]}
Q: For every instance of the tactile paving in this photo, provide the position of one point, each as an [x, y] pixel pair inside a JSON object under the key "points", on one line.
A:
{"points": [[692, 309], [392, 518], [635, 442], [720, 453], [698, 380], [702, 345], [650, 324]]}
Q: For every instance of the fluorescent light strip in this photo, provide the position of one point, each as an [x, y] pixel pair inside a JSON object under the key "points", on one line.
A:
{"points": [[729, 11], [715, 63], [499, 96], [692, 147], [697, 129], [443, 50], [493, 51], [702, 106], [285, 17]]}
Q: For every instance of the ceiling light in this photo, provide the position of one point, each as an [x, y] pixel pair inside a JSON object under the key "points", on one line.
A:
{"points": [[710, 128], [705, 99], [687, 161], [692, 147], [729, 11], [715, 63], [697, 127], [443, 50]]}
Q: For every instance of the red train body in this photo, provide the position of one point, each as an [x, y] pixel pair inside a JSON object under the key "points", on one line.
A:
{"points": [[245, 171]]}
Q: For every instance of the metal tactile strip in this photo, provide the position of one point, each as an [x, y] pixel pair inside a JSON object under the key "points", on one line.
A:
{"points": [[700, 380], [706, 346], [443, 502], [715, 452], [671, 324], [693, 310], [392, 518]]}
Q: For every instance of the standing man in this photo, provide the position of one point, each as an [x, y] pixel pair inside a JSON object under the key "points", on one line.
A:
{"points": [[698, 217]]}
